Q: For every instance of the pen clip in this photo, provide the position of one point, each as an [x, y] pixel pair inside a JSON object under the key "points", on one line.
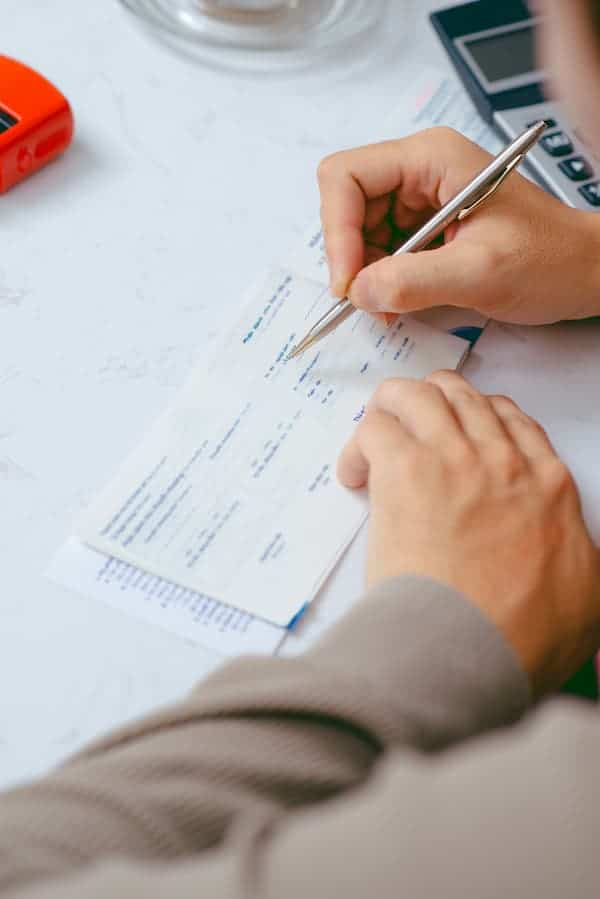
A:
{"points": [[491, 190]]}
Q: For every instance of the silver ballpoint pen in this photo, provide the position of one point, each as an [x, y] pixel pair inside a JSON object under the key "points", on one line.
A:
{"points": [[463, 204]]}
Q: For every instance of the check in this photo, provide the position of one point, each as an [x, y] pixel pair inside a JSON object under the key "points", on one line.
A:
{"points": [[233, 492]]}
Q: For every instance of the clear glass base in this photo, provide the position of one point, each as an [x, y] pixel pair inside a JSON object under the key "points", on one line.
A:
{"points": [[258, 35]]}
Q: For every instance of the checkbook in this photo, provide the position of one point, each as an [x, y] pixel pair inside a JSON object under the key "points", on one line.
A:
{"points": [[233, 493]]}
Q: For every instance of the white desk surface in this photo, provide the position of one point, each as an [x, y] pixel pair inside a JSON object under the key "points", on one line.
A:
{"points": [[118, 267]]}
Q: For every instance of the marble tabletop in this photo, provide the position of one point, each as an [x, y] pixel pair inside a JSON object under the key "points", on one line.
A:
{"points": [[119, 265]]}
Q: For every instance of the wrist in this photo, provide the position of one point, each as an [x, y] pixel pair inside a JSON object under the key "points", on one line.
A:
{"points": [[586, 227]]}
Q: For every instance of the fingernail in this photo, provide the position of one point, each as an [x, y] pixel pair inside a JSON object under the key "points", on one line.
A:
{"points": [[360, 293], [381, 317], [390, 318]]}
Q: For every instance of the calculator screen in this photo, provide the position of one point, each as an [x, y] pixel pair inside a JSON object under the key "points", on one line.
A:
{"points": [[504, 55], [6, 120]]}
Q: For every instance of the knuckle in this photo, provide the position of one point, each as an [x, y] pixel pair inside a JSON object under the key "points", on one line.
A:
{"points": [[456, 146], [463, 453], [366, 437], [408, 464], [364, 427], [463, 149], [371, 428], [328, 165], [384, 282], [461, 393], [473, 402], [387, 390], [445, 378], [556, 477], [512, 413], [488, 258], [464, 458], [447, 135], [534, 426], [503, 402], [390, 286], [507, 463], [391, 391]]}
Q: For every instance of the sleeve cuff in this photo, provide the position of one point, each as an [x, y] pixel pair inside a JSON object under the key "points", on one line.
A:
{"points": [[445, 669]]}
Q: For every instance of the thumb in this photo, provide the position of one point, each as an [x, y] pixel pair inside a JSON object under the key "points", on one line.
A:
{"points": [[452, 275]]}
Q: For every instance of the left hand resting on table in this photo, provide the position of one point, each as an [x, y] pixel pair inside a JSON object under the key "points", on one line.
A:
{"points": [[468, 490]]}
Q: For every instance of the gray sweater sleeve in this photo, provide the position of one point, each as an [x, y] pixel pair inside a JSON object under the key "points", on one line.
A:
{"points": [[349, 771]]}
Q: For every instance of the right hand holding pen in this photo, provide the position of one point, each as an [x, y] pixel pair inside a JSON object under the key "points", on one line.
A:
{"points": [[466, 489], [524, 257]]}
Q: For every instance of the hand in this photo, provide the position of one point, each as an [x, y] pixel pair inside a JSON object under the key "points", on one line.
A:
{"points": [[524, 257], [467, 489]]}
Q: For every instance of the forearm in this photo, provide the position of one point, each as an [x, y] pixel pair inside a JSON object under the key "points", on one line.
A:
{"points": [[415, 666], [500, 817]]}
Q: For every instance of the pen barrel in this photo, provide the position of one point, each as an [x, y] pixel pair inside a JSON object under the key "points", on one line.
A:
{"points": [[475, 190], [468, 199], [333, 318]]}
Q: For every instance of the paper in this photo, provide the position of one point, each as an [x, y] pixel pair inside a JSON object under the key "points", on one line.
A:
{"points": [[430, 98], [192, 616], [309, 258], [233, 493]]}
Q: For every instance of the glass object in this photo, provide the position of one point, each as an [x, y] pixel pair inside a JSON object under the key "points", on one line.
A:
{"points": [[259, 35]]}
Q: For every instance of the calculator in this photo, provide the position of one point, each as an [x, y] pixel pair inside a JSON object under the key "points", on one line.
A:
{"points": [[492, 46], [36, 122]]}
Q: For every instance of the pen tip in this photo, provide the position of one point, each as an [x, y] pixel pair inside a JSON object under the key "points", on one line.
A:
{"points": [[297, 350]]}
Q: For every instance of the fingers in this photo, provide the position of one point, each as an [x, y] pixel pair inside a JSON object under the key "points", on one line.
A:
{"points": [[421, 407], [526, 433], [377, 440], [401, 413], [376, 211], [411, 217], [424, 171], [451, 275], [489, 422], [478, 418], [381, 236], [444, 413]]}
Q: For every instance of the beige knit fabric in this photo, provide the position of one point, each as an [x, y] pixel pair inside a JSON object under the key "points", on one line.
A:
{"points": [[392, 760]]}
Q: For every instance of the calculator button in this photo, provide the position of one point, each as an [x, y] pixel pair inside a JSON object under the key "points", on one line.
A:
{"points": [[576, 168], [591, 192], [24, 160], [550, 123], [557, 144]]}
